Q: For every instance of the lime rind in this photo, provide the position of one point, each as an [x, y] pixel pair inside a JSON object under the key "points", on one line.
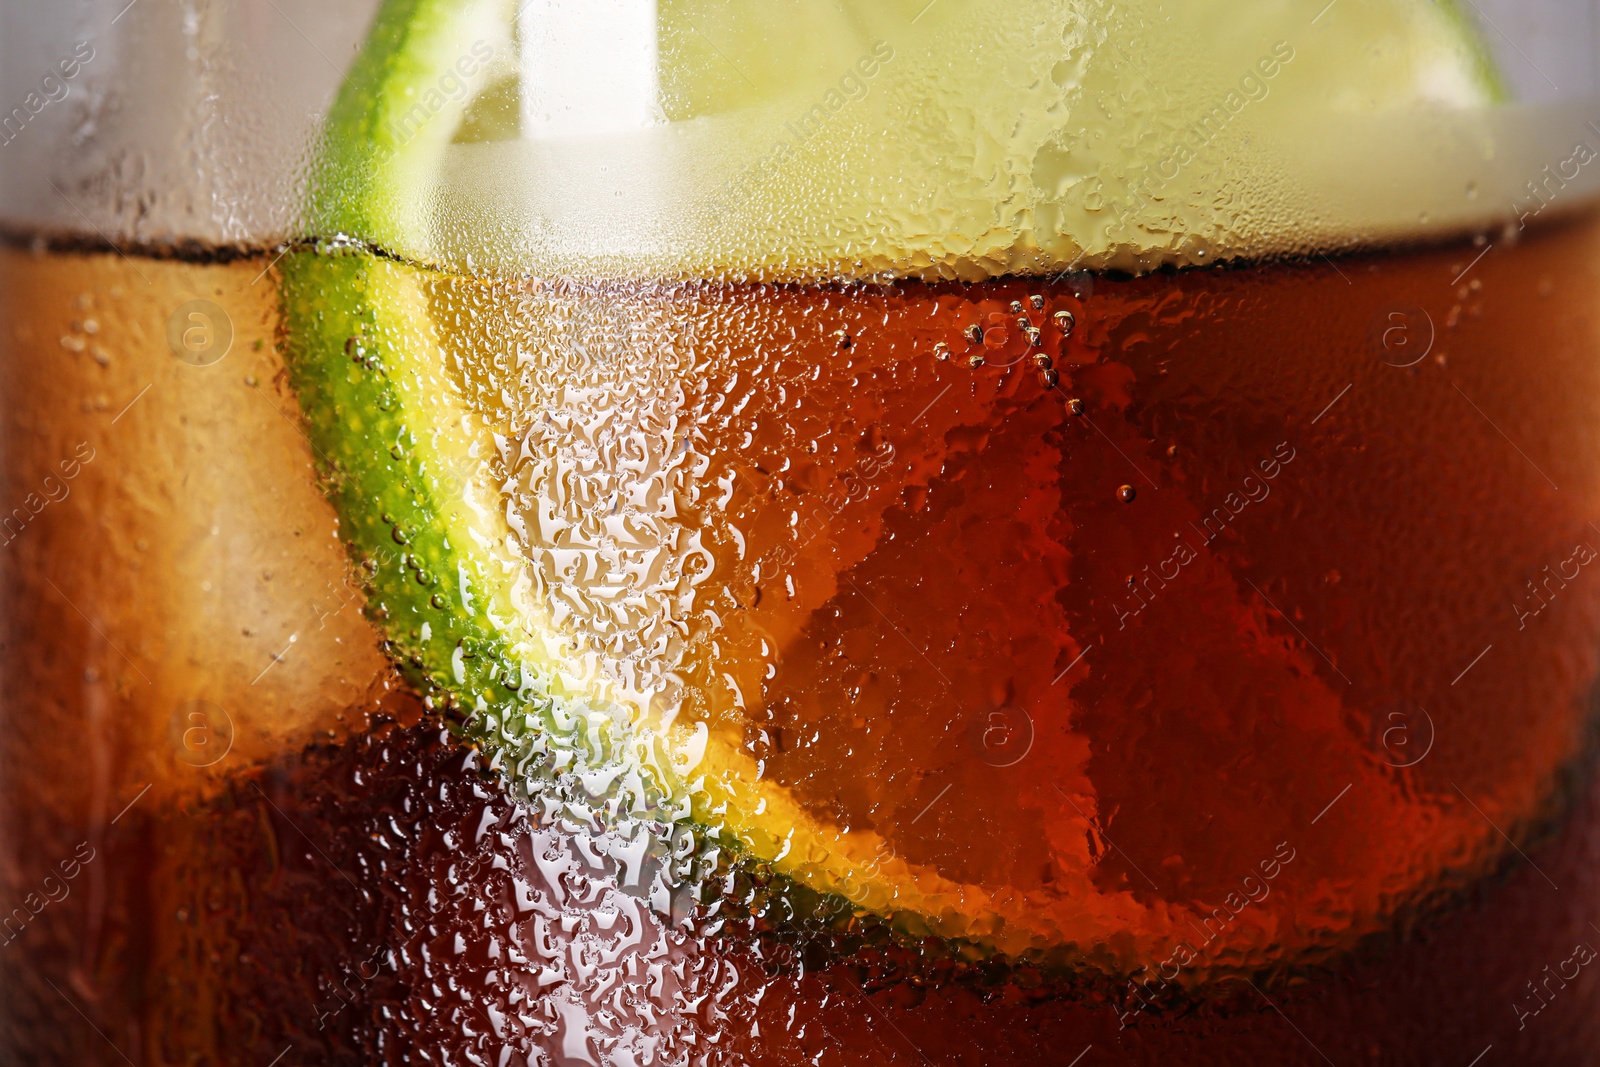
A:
{"points": [[398, 107], [429, 543]]}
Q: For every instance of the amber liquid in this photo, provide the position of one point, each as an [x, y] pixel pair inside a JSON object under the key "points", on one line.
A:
{"points": [[1260, 592]]}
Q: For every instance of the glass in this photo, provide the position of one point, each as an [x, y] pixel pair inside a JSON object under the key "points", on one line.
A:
{"points": [[636, 533]]}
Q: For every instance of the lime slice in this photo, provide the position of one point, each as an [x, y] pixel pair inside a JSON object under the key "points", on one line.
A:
{"points": [[815, 141], [503, 617]]}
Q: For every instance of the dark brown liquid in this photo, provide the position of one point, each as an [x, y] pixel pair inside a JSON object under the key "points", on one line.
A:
{"points": [[316, 893]]}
